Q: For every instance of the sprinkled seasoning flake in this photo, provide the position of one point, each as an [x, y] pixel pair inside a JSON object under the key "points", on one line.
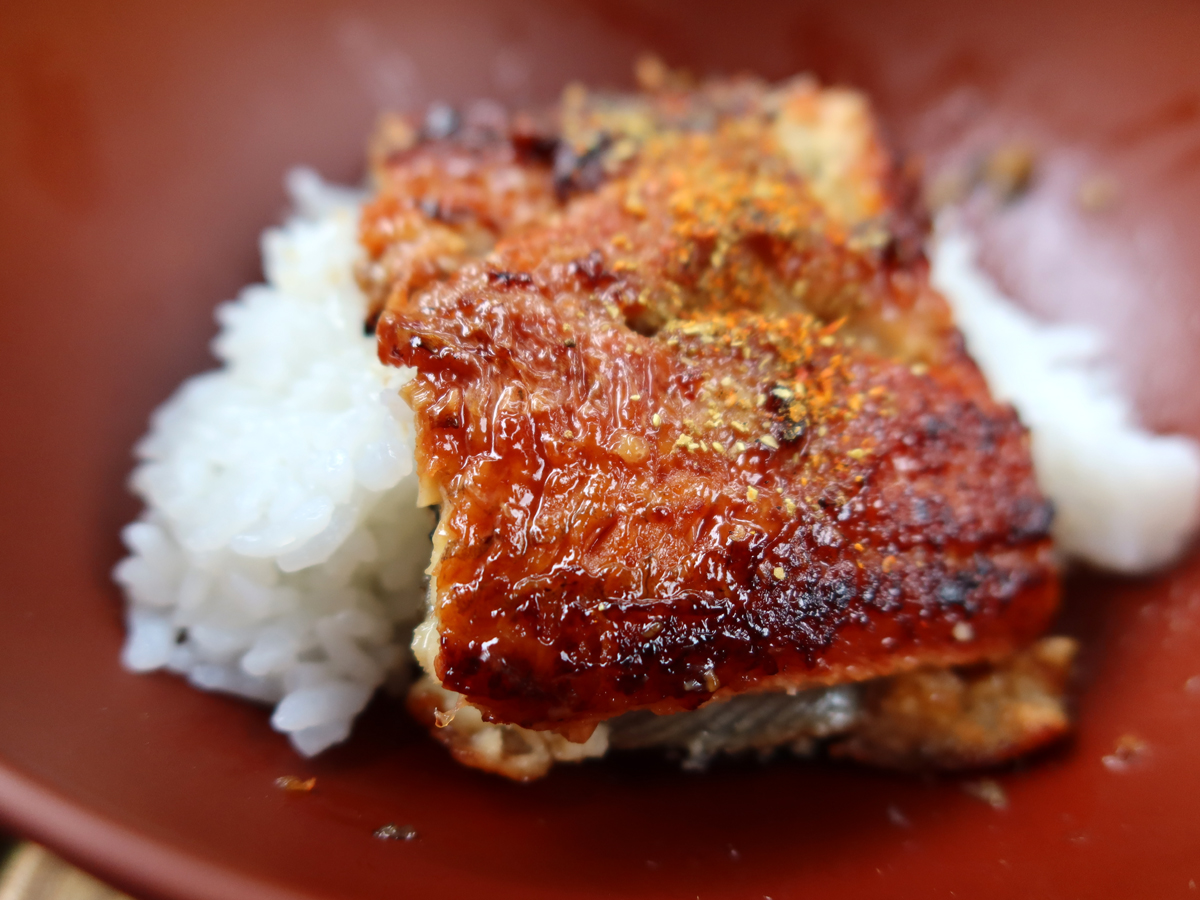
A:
{"points": [[295, 785]]}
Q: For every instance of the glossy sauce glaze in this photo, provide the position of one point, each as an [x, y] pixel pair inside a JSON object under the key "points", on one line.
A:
{"points": [[696, 421]]}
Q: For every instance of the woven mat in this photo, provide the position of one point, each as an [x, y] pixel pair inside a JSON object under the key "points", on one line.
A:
{"points": [[33, 873]]}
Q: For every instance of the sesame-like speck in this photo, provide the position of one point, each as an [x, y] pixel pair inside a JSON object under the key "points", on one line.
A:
{"points": [[768, 441], [751, 494], [391, 832], [963, 631], [656, 420], [779, 573], [989, 791]]}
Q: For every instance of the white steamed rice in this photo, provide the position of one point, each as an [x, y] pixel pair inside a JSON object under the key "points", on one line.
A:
{"points": [[1124, 499], [281, 554], [273, 486]]}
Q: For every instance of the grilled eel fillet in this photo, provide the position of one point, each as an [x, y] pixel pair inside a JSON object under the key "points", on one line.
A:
{"points": [[705, 442]]}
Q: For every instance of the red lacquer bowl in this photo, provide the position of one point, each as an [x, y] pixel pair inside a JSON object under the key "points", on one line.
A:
{"points": [[141, 151]]}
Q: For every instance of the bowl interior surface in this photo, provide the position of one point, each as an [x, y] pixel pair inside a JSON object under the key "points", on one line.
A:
{"points": [[142, 148]]}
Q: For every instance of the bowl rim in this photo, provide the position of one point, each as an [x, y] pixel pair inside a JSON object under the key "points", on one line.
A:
{"points": [[130, 858]]}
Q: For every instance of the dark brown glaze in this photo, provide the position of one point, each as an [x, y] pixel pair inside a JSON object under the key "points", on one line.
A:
{"points": [[704, 429], [444, 201]]}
